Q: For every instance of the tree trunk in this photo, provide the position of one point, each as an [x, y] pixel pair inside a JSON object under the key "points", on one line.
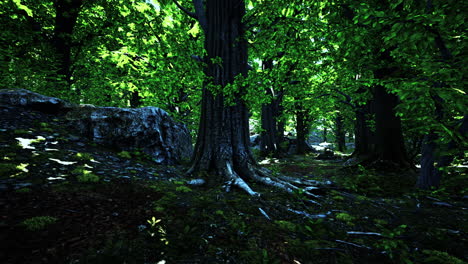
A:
{"points": [[389, 144], [433, 159], [272, 129], [340, 133], [222, 149], [324, 134], [363, 138], [223, 137], [66, 15], [302, 130]]}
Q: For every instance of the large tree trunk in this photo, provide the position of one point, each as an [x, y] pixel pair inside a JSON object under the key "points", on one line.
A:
{"points": [[223, 137], [222, 147], [66, 15], [389, 146]]}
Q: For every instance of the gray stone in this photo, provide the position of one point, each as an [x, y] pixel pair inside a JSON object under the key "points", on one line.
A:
{"points": [[150, 129], [28, 99]]}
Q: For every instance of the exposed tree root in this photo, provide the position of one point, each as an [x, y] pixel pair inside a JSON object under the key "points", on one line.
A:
{"points": [[262, 175]]}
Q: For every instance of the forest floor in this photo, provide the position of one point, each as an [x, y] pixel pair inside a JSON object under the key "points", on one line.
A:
{"points": [[64, 199]]}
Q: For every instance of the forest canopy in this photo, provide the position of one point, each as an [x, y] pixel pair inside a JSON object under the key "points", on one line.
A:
{"points": [[389, 73]]}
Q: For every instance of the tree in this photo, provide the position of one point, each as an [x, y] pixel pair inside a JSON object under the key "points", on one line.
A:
{"points": [[222, 146]]}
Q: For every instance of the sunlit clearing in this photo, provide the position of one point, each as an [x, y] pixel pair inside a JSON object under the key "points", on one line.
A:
{"points": [[63, 162], [26, 142]]}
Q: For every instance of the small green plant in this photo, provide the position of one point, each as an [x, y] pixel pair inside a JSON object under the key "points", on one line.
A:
{"points": [[394, 247], [124, 154], [83, 156], [38, 222], [183, 189], [347, 218], [45, 127], [156, 229], [84, 175], [89, 177]]}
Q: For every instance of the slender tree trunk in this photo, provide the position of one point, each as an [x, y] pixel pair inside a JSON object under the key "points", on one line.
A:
{"points": [[302, 130], [66, 15], [324, 134], [273, 129], [363, 136], [340, 133]]}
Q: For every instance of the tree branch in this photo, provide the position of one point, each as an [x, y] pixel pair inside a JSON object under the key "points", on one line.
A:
{"points": [[190, 14], [200, 14]]}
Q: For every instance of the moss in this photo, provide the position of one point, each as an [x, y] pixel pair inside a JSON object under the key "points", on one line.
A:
{"points": [[8, 169], [38, 222], [183, 189], [438, 257], [84, 175], [347, 218], [124, 154], [88, 177], [21, 131], [23, 190]]}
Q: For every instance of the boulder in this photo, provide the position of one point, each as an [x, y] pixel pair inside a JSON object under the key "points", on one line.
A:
{"points": [[32, 100], [150, 129]]}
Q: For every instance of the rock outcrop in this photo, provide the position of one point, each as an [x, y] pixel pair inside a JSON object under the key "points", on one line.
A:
{"points": [[35, 101], [150, 129]]}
